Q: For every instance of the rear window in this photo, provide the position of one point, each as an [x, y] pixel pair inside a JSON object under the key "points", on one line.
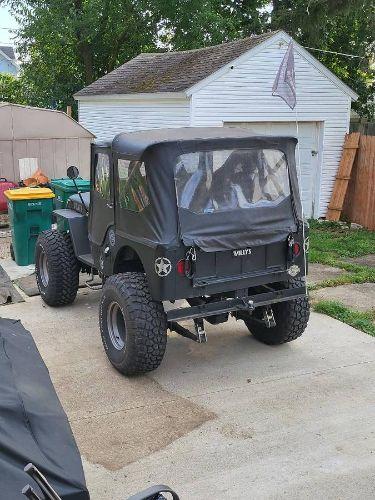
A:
{"points": [[214, 181]]}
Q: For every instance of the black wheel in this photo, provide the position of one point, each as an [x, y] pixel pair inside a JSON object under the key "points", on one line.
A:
{"points": [[57, 269], [132, 325], [291, 319], [11, 250]]}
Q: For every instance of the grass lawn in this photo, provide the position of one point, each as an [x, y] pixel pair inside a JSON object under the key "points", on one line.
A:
{"points": [[331, 244], [364, 321]]}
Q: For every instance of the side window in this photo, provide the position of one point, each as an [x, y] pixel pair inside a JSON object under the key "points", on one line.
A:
{"points": [[132, 186], [102, 179]]}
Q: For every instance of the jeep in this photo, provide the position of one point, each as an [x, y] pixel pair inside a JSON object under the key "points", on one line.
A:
{"points": [[195, 224]]}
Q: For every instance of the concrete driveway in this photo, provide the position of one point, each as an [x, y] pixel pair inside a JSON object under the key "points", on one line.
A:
{"points": [[229, 419]]}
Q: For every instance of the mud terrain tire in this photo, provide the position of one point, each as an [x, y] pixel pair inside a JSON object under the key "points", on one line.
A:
{"points": [[291, 319], [133, 326], [57, 269]]}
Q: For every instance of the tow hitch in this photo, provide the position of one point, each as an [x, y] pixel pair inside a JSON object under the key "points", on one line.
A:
{"points": [[200, 331], [268, 317], [199, 335]]}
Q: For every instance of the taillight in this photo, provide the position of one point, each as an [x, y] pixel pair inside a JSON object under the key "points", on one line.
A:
{"points": [[181, 267], [184, 267], [296, 249]]}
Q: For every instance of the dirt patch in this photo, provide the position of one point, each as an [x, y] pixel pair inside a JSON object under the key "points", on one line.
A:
{"points": [[116, 420], [119, 438]]}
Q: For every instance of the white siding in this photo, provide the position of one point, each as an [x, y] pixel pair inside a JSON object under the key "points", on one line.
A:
{"points": [[243, 94], [105, 119]]}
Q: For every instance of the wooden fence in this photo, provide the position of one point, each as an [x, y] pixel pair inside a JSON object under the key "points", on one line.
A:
{"points": [[359, 205], [343, 176]]}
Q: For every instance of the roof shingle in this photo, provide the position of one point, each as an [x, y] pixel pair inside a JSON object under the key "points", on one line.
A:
{"points": [[170, 71], [8, 51]]}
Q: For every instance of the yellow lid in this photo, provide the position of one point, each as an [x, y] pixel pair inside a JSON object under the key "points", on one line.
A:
{"points": [[28, 193]]}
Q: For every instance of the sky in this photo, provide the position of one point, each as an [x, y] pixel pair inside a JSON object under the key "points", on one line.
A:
{"points": [[6, 21]]}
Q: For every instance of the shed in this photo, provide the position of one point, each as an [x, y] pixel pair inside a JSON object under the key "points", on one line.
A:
{"points": [[55, 139], [230, 85]]}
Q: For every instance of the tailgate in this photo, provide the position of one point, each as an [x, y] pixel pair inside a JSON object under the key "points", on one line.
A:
{"points": [[223, 266]]}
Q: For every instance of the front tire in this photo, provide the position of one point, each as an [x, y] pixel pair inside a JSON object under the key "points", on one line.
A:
{"points": [[291, 319], [57, 268], [133, 326]]}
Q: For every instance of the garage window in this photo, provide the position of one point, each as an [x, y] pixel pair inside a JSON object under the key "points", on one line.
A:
{"points": [[214, 181]]}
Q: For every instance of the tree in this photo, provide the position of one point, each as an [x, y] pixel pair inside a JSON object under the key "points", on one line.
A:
{"points": [[188, 24], [13, 89], [10, 89], [337, 26], [66, 44]]}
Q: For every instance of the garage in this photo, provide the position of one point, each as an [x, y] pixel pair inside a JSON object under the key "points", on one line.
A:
{"points": [[230, 85], [308, 154]]}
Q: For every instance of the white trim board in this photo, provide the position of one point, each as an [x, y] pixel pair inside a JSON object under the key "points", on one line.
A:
{"points": [[132, 97]]}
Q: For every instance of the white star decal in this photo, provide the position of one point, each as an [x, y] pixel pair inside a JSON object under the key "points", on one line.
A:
{"points": [[163, 266]]}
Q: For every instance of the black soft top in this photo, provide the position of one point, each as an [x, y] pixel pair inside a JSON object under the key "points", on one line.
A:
{"points": [[134, 144], [163, 223]]}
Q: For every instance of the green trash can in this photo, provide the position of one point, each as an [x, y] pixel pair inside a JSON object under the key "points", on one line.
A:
{"points": [[30, 213], [64, 188]]}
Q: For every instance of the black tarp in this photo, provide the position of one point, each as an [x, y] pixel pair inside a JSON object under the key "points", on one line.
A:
{"points": [[33, 425], [161, 223]]}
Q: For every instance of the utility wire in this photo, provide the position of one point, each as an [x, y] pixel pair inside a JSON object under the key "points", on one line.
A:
{"points": [[332, 52]]}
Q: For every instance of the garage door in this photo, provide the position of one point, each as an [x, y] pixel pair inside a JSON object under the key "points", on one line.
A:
{"points": [[309, 147]]}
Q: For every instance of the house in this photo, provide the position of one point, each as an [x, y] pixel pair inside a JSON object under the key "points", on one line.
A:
{"points": [[8, 62], [51, 137], [230, 85]]}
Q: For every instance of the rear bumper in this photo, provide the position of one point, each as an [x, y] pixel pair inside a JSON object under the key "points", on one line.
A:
{"points": [[245, 303]]}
